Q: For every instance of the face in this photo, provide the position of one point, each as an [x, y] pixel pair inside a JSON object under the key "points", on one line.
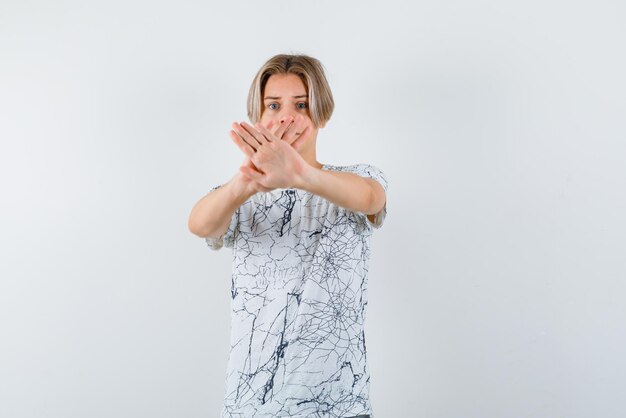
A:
{"points": [[285, 96]]}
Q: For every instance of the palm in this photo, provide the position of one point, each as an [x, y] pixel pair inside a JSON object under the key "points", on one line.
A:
{"points": [[251, 183], [280, 163], [272, 160]]}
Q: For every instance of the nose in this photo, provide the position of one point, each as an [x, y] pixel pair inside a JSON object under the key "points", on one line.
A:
{"points": [[284, 118]]}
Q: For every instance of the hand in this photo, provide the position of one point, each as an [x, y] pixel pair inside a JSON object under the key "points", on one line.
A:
{"points": [[249, 185], [292, 131], [274, 163]]}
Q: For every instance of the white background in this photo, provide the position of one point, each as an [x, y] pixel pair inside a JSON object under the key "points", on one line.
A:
{"points": [[496, 285]]}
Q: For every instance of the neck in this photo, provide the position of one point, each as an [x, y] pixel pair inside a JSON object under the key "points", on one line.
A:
{"points": [[308, 153], [312, 161]]}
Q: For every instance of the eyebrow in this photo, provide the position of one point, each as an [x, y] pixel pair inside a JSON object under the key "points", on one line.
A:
{"points": [[278, 97]]}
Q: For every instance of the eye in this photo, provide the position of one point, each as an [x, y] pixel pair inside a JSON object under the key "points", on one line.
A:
{"points": [[273, 104], [302, 105]]}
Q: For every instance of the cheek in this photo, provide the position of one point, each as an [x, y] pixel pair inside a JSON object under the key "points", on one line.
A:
{"points": [[308, 121], [265, 119]]}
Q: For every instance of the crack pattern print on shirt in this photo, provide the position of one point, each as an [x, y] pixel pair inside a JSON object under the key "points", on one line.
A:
{"points": [[298, 307]]}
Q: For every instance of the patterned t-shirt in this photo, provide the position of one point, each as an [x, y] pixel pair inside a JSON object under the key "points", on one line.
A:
{"points": [[299, 298]]}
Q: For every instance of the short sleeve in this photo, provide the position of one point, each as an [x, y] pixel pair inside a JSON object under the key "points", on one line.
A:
{"points": [[228, 238], [372, 172]]}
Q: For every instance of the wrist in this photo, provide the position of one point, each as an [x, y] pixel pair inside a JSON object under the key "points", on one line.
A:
{"points": [[241, 189], [308, 178]]}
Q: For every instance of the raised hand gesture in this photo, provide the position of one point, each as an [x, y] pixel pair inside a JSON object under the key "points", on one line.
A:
{"points": [[272, 157]]}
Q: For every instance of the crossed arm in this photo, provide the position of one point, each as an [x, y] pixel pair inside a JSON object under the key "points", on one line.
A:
{"points": [[283, 166], [347, 190]]}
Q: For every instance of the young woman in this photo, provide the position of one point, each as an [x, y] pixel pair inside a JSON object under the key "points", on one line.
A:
{"points": [[300, 232]]}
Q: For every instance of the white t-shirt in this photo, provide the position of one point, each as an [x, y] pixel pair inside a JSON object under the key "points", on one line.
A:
{"points": [[299, 298]]}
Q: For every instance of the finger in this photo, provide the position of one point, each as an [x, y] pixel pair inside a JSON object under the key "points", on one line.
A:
{"points": [[246, 135], [293, 132], [251, 173], [248, 163], [255, 132], [271, 126], [266, 133], [295, 126], [297, 143], [253, 166], [243, 145], [274, 127], [284, 125]]}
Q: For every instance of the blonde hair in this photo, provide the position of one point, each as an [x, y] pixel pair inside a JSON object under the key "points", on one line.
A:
{"points": [[310, 71]]}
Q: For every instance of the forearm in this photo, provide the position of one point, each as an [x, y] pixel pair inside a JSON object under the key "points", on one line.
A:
{"points": [[212, 214], [344, 189]]}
